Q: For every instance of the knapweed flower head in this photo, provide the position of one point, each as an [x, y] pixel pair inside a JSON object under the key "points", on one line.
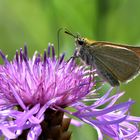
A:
{"points": [[35, 93]]}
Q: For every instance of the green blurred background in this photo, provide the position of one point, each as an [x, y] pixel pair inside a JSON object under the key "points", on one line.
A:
{"points": [[36, 22]]}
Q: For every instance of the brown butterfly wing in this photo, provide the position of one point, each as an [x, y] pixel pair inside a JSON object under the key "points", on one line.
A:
{"points": [[106, 73], [135, 49], [123, 63]]}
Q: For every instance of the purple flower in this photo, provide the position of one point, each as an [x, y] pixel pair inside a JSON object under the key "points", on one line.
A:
{"points": [[34, 94]]}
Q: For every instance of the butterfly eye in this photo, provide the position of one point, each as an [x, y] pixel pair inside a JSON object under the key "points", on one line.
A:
{"points": [[80, 41]]}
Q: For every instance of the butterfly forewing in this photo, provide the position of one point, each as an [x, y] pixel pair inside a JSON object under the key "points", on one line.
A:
{"points": [[105, 72], [135, 49], [102, 43], [119, 61]]}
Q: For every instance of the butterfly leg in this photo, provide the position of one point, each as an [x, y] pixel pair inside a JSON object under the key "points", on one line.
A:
{"points": [[75, 55]]}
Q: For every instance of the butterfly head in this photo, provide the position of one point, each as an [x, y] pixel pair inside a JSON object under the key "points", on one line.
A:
{"points": [[80, 41]]}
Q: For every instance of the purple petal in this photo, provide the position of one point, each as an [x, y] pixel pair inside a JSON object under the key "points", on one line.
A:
{"points": [[34, 133], [4, 58]]}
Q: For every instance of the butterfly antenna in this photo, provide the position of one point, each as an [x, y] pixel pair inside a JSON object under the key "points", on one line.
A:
{"points": [[69, 33], [58, 41]]}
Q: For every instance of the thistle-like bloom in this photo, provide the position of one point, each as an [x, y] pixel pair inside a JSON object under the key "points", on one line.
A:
{"points": [[35, 93]]}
